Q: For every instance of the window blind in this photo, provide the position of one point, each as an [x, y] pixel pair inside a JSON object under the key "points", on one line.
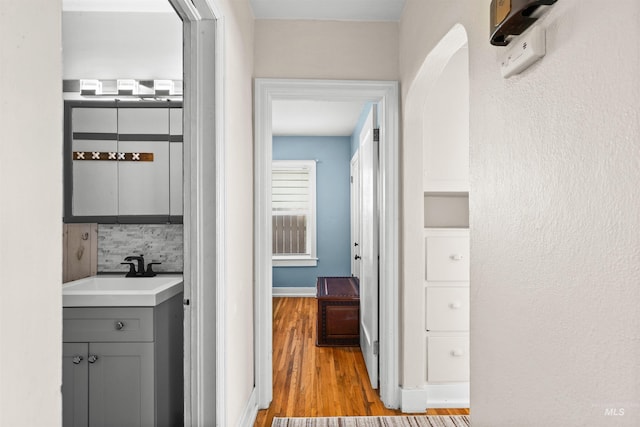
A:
{"points": [[291, 208]]}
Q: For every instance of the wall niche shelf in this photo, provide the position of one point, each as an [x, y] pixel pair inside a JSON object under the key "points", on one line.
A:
{"points": [[446, 210]]}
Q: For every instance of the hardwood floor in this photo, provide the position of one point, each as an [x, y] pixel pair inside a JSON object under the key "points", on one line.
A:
{"points": [[312, 381]]}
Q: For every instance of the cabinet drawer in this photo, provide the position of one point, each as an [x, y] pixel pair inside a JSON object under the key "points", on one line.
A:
{"points": [[447, 359], [447, 309], [108, 324], [447, 258]]}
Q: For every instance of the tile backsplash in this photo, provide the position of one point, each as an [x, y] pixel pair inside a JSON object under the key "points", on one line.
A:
{"points": [[157, 242]]}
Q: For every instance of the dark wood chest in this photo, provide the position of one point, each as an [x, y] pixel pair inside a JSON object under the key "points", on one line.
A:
{"points": [[338, 311]]}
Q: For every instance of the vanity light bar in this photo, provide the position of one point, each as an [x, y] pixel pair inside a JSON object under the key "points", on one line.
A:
{"points": [[124, 87], [164, 87], [90, 87], [127, 87]]}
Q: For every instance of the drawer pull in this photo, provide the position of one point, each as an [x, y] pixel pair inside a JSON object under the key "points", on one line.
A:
{"points": [[457, 353], [456, 257], [455, 305], [76, 360], [119, 325]]}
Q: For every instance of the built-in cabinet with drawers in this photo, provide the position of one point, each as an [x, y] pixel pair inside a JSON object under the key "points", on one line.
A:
{"points": [[123, 161], [122, 366], [446, 294], [444, 149]]}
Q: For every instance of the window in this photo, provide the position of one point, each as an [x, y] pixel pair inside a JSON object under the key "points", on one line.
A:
{"points": [[293, 213]]}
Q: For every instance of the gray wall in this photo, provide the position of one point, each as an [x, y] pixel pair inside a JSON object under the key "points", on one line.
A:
{"points": [[157, 242]]}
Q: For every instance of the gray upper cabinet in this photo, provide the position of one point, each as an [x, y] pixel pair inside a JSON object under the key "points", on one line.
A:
{"points": [[143, 186], [123, 161], [95, 190], [175, 162]]}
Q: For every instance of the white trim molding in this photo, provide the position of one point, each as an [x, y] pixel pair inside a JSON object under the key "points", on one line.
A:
{"points": [[306, 292], [250, 412], [204, 208], [386, 95], [413, 401], [435, 396]]}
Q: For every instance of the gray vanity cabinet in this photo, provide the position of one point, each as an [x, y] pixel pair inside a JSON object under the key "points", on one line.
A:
{"points": [[75, 388], [122, 366]]}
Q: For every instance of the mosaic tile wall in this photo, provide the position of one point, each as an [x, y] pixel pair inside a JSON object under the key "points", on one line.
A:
{"points": [[157, 242]]}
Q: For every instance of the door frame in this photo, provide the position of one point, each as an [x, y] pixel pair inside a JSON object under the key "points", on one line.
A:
{"points": [[386, 94], [204, 215]]}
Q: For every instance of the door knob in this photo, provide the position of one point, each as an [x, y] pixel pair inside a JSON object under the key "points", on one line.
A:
{"points": [[92, 359], [76, 360]]}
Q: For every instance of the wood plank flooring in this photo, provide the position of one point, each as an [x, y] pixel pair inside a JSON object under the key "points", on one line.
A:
{"points": [[312, 381]]}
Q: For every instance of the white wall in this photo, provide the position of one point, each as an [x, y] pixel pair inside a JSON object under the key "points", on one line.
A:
{"points": [[30, 214], [326, 49], [554, 202], [112, 45], [238, 131]]}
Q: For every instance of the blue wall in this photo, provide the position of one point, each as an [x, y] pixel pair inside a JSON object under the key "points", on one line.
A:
{"points": [[333, 155]]}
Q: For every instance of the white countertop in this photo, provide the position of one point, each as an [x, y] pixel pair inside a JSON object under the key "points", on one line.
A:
{"points": [[120, 291]]}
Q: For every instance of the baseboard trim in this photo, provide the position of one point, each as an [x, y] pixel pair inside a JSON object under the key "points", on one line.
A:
{"points": [[435, 396], [448, 395], [413, 400], [250, 412], [294, 291]]}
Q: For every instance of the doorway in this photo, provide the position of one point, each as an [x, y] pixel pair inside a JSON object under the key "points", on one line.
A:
{"points": [[386, 94]]}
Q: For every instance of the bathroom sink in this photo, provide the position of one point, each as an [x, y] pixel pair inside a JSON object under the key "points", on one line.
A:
{"points": [[118, 291]]}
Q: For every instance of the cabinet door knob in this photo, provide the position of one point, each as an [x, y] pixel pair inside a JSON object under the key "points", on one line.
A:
{"points": [[455, 305], [456, 257], [457, 353], [76, 360], [119, 325], [92, 359]]}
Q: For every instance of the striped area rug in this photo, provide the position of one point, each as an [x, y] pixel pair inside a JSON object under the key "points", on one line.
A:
{"points": [[409, 421]]}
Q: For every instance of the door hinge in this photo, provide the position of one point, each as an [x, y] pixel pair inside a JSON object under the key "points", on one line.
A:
{"points": [[376, 348], [352, 180], [376, 135], [185, 301]]}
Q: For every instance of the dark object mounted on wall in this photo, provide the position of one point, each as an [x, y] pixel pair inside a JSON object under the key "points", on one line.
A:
{"points": [[511, 18]]}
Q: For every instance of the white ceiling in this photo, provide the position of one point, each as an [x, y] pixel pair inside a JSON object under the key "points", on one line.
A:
{"points": [[116, 6], [340, 10], [315, 118]]}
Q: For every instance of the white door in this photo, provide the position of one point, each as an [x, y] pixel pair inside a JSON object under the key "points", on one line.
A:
{"points": [[368, 152], [355, 215]]}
